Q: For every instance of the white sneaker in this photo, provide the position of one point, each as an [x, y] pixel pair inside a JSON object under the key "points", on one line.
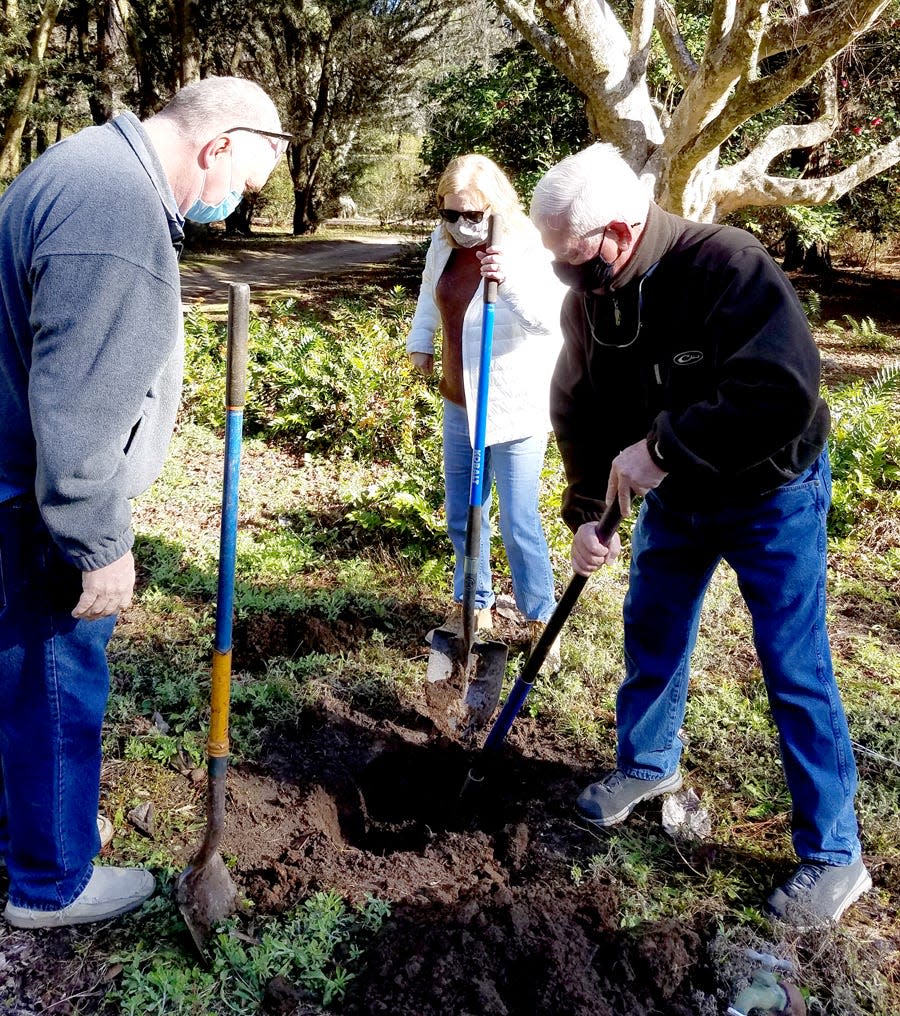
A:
{"points": [[104, 827], [484, 621], [109, 892]]}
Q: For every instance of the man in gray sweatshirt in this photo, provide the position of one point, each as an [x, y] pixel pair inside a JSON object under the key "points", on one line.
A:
{"points": [[91, 350]]}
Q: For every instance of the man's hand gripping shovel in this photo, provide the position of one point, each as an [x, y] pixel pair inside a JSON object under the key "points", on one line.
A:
{"points": [[465, 676]]}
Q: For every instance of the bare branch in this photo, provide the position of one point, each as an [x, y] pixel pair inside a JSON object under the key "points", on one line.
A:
{"points": [[551, 47], [720, 22], [786, 137], [752, 97], [641, 31], [679, 55], [795, 33], [732, 191]]}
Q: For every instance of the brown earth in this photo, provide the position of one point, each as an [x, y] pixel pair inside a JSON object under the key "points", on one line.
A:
{"points": [[486, 920]]}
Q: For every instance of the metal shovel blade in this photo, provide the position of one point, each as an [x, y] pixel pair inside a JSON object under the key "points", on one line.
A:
{"points": [[206, 895], [463, 688]]}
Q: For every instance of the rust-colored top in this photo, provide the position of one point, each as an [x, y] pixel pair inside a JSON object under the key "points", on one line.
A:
{"points": [[456, 287]]}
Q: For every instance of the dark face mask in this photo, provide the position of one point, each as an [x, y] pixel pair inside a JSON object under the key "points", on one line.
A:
{"points": [[585, 278], [588, 276]]}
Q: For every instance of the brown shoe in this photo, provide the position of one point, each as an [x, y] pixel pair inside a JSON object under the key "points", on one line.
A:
{"points": [[484, 621], [553, 659]]}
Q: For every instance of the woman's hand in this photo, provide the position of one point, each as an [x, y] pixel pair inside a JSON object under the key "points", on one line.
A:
{"points": [[492, 264], [423, 362]]}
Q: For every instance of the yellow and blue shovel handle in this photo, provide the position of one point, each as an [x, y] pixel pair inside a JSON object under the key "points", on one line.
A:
{"points": [[235, 393]]}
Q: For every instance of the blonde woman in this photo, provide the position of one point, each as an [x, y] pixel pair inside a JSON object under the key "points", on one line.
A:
{"points": [[526, 343]]}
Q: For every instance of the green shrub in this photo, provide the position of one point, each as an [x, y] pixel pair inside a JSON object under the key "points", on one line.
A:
{"points": [[341, 387], [865, 446]]}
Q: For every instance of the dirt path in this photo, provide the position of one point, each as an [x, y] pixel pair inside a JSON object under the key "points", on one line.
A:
{"points": [[283, 264]]}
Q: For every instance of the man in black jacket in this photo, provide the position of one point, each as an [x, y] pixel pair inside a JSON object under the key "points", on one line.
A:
{"points": [[689, 376]]}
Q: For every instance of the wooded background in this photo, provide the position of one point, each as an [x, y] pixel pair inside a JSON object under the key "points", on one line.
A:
{"points": [[783, 115]]}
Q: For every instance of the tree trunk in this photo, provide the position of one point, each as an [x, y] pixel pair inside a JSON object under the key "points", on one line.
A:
{"points": [[11, 145], [187, 45], [112, 45], [814, 258]]}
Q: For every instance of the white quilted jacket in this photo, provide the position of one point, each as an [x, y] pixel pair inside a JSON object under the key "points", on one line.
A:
{"points": [[527, 336]]}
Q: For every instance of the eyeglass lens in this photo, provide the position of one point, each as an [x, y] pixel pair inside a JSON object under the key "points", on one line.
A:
{"points": [[452, 215]]}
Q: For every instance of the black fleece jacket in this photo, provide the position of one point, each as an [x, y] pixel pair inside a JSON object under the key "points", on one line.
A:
{"points": [[702, 345]]}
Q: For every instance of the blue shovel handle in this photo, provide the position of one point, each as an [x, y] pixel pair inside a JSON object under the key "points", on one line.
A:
{"points": [[476, 484]]}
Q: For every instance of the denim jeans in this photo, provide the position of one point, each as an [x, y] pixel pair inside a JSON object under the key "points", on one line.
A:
{"points": [[54, 685], [776, 543], [515, 467]]}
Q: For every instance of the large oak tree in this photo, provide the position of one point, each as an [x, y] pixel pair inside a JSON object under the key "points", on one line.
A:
{"points": [[754, 57]]}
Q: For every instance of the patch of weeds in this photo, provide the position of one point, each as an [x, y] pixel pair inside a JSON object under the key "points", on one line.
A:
{"points": [[318, 947], [655, 880]]}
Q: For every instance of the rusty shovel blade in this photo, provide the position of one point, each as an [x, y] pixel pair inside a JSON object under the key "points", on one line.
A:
{"points": [[463, 687], [206, 895]]}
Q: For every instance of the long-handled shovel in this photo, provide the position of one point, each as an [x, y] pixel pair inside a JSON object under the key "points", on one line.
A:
{"points": [[205, 892], [465, 677], [520, 691]]}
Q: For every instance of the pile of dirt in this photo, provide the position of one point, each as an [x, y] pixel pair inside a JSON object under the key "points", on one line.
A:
{"points": [[485, 916], [542, 948]]}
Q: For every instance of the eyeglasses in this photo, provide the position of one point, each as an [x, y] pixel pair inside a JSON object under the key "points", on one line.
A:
{"points": [[452, 215], [276, 139]]}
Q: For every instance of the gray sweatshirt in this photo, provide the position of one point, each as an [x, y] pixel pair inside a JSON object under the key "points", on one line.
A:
{"points": [[91, 338]]}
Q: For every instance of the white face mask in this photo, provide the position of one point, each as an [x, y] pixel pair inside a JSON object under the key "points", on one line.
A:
{"points": [[468, 234]]}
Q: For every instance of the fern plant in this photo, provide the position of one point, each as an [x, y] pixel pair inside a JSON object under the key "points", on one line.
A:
{"points": [[861, 334], [865, 446]]}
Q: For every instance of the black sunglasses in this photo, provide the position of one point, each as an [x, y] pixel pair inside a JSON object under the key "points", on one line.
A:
{"points": [[452, 215], [279, 140]]}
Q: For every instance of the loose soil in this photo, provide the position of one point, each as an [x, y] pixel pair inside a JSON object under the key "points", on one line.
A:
{"points": [[486, 918]]}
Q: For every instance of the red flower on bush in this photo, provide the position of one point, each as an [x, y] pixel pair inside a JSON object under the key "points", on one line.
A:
{"points": [[876, 121]]}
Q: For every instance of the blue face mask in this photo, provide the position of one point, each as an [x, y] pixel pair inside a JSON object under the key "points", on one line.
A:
{"points": [[201, 211]]}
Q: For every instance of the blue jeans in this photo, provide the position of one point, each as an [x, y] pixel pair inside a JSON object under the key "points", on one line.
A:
{"points": [[776, 543], [54, 684], [515, 467]]}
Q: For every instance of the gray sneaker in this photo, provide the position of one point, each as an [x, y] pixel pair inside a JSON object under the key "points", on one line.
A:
{"points": [[818, 893], [614, 796], [109, 892]]}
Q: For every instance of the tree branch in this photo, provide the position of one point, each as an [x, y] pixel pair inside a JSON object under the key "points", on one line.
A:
{"points": [[732, 190], [795, 33], [720, 22], [752, 97], [641, 31], [551, 47], [786, 137], [679, 55]]}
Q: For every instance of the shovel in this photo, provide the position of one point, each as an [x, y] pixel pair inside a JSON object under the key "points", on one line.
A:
{"points": [[205, 891], [606, 528], [465, 677]]}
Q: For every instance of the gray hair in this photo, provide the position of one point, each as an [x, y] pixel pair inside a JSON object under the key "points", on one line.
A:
{"points": [[206, 107], [587, 191]]}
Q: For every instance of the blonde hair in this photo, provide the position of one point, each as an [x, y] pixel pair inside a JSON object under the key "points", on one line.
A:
{"points": [[482, 177], [587, 191]]}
